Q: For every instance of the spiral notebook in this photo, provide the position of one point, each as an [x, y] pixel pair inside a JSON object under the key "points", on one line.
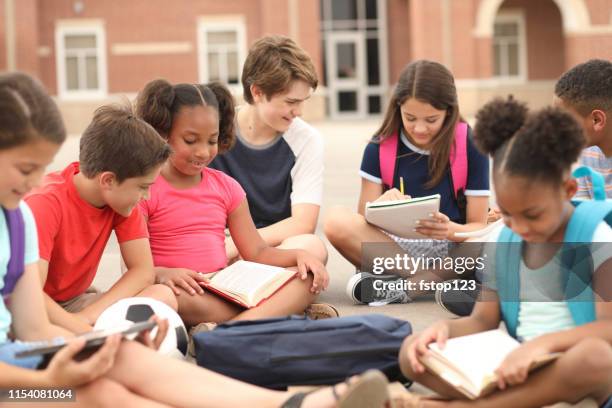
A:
{"points": [[399, 217]]}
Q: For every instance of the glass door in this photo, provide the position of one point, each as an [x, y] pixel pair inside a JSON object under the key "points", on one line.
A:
{"points": [[346, 74]]}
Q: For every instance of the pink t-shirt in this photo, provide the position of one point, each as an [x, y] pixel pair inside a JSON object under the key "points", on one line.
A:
{"points": [[187, 227]]}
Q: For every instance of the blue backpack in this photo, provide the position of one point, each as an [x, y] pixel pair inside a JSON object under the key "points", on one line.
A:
{"points": [[16, 264], [576, 258], [277, 353]]}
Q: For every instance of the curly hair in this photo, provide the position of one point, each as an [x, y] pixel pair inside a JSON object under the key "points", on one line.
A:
{"points": [[539, 145], [587, 86], [159, 103]]}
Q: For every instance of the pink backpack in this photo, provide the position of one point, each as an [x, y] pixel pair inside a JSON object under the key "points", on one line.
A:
{"points": [[458, 159]]}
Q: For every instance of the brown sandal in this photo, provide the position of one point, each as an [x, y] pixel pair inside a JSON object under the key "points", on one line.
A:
{"points": [[369, 390]]}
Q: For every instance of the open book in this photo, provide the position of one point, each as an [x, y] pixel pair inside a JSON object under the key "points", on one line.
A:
{"points": [[248, 283], [468, 363], [399, 217]]}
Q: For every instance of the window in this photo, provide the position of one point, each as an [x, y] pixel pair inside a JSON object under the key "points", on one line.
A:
{"points": [[81, 60], [222, 51], [509, 46]]}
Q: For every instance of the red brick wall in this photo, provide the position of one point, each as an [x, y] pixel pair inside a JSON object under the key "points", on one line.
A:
{"points": [[2, 37], [484, 58], [582, 48], [545, 38], [27, 36], [599, 11], [155, 20], [466, 61], [398, 37], [425, 29], [309, 33], [274, 17]]}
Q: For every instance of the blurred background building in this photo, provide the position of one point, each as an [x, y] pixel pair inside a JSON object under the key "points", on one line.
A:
{"points": [[88, 52]]}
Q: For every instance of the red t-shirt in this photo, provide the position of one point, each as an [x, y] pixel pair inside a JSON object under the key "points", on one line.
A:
{"points": [[72, 234]]}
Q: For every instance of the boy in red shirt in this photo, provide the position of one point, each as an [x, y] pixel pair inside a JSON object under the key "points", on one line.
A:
{"points": [[77, 209]]}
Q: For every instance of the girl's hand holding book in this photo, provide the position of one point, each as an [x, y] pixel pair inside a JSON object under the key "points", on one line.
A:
{"points": [[515, 368], [438, 332], [185, 279], [436, 227], [308, 263]]}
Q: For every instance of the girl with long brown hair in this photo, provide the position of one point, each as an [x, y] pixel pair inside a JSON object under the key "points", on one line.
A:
{"points": [[423, 113]]}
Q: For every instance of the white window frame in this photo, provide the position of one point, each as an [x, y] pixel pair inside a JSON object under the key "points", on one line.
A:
{"points": [[207, 25], [330, 28], [517, 17], [96, 29]]}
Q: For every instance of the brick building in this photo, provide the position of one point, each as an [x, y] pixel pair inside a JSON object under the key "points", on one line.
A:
{"points": [[88, 52]]}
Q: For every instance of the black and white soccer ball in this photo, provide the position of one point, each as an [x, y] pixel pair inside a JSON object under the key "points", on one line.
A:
{"points": [[138, 309]]}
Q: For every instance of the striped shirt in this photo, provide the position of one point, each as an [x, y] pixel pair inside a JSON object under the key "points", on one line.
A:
{"points": [[595, 159]]}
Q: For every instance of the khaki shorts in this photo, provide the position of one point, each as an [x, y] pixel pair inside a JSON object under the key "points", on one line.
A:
{"points": [[80, 302]]}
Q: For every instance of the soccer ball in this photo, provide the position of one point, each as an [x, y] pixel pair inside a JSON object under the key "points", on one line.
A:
{"points": [[138, 309]]}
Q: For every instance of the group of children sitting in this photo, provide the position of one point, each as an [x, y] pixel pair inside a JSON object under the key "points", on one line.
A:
{"points": [[172, 176]]}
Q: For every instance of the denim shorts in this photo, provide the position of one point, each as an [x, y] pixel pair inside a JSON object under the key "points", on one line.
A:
{"points": [[10, 348]]}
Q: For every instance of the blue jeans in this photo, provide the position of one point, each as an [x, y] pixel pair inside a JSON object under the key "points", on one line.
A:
{"points": [[10, 348]]}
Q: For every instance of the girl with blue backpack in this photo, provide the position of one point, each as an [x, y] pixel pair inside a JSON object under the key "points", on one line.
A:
{"points": [[548, 282], [422, 148], [120, 373]]}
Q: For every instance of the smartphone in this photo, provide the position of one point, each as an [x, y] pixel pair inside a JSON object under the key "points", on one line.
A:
{"points": [[93, 340]]}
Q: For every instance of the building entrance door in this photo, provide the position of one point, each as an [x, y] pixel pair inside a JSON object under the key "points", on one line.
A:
{"points": [[346, 74]]}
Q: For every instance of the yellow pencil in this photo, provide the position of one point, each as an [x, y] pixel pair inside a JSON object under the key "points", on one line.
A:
{"points": [[402, 185]]}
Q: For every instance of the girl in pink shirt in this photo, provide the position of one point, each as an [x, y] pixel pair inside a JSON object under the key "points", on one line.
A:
{"points": [[190, 205]]}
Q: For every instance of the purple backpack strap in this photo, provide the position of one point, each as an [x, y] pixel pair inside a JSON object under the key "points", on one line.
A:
{"points": [[458, 158], [16, 264], [387, 154]]}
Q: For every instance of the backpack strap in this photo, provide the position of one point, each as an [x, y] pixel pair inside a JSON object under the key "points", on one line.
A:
{"points": [[578, 269], [458, 158], [576, 257], [387, 155], [576, 262], [16, 264], [587, 216], [507, 268], [597, 180]]}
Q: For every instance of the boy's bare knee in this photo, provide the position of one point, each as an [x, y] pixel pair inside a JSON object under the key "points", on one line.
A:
{"points": [[162, 293], [308, 242], [315, 246]]}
